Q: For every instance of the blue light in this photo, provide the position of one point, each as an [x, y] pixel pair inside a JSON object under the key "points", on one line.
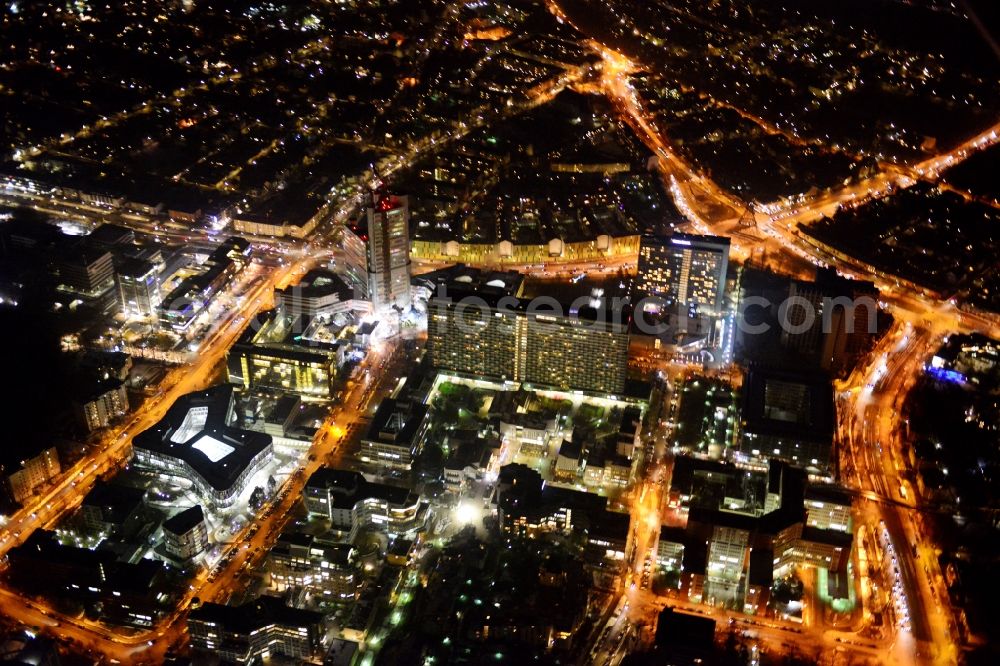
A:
{"points": [[946, 375]]}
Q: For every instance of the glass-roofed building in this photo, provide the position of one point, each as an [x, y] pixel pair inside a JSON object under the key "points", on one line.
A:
{"points": [[200, 440]]}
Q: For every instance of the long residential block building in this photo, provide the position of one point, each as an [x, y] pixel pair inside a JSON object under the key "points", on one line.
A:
{"points": [[117, 591], [508, 338]]}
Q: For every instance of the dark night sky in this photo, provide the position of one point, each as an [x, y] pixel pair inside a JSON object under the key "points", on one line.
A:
{"points": [[35, 381]]}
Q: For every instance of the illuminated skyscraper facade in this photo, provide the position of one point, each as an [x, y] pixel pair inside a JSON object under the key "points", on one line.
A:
{"points": [[388, 252], [684, 270], [138, 287]]}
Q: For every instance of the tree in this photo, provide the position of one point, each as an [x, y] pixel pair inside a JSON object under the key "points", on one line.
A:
{"points": [[787, 589], [734, 650]]}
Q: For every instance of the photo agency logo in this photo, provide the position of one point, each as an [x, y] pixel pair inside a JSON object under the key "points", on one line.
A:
{"points": [[797, 315], [471, 312], [653, 315]]}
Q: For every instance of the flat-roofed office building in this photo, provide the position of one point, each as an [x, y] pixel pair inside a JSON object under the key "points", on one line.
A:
{"points": [[200, 440], [138, 287], [286, 353], [257, 630], [789, 416], [684, 269]]}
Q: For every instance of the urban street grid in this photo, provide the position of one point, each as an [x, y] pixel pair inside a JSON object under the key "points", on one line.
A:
{"points": [[573, 332]]}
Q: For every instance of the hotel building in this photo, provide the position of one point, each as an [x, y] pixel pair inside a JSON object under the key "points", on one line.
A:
{"points": [[684, 270]]}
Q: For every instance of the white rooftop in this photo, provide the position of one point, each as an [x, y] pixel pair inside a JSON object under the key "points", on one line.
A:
{"points": [[193, 422], [213, 448]]}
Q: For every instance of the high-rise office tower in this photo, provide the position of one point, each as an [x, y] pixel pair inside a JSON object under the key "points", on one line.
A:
{"points": [[138, 287], [833, 318], [804, 316], [684, 269], [389, 251], [84, 269]]}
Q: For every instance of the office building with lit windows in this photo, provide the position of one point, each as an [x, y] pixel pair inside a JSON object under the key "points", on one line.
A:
{"points": [[526, 506], [727, 552], [507, 338], [684, 270], [828, 507], [257, 630], [315, 565], [394, 434], [788, 416], [352, 256], [111, 509], [740, 529], [83, 268], [388, 251], [127, 593], [351, 503], [320, 293], [185, 535], [200, 440], [179, 309], [138, 287], [287, 353]]}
